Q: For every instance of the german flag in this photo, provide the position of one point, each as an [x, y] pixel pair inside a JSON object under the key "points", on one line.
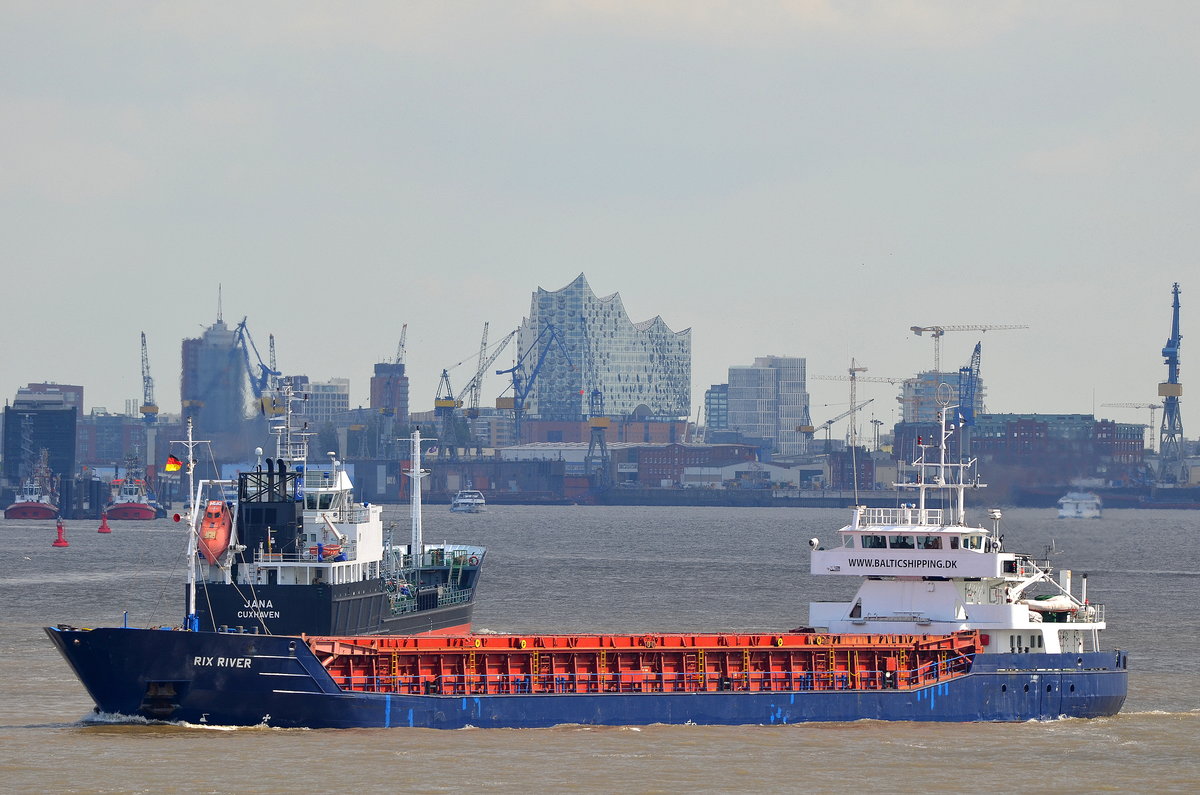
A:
{"points": [[173, 464]]}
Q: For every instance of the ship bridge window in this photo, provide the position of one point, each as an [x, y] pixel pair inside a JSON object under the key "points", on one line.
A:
{"points": [[972, 542], [848, 542], [900, 542], [319, 501], [874, 542], [954, 542], [929, 542]]}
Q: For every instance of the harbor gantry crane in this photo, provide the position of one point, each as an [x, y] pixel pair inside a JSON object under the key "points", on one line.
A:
{"points": [[1154, 407], [444, 404], [149, 409], [487, 356], [258, 383], [938, 331], [854, 378], [524, 376], [1172, 467], [273, 382]]}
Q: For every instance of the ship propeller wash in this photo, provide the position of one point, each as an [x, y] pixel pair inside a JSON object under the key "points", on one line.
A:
{"points": [[947, 625]]}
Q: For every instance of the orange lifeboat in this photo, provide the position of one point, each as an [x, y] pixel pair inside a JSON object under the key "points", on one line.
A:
{"points": [[216, 530]]}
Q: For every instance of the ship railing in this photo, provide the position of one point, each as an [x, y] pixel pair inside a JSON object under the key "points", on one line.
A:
{"points": [[408, 603], [435, 558], [904, 515], [299, 557], [1090, 613], [801, 680]]}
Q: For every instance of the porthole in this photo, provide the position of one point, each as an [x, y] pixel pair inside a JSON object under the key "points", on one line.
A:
{"points": [[1026, 688], [1049, 688], [1072, 688], [1003, 688]]}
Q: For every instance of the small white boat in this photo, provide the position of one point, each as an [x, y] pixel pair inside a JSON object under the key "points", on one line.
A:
{"points": [[468, 500], [1079, 505]]}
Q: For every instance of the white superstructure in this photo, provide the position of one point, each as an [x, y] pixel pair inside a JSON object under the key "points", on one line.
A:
{"points": [[1079, 505], [468, 500], [926, 571]]}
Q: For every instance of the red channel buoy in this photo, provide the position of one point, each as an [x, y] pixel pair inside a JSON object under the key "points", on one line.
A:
{"points": [[104, 528], [61, 541]]}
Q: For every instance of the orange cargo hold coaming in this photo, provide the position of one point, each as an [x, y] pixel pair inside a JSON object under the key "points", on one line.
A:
{"points": [[649, 663]]}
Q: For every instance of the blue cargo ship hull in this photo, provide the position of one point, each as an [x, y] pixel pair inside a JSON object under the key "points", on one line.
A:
{"points": [[245, 680]]}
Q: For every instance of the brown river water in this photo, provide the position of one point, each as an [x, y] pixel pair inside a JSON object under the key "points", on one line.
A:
{"points": [[628, 569]]}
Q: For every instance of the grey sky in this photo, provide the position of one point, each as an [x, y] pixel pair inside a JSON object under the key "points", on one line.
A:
{"points": [[793, 178]]}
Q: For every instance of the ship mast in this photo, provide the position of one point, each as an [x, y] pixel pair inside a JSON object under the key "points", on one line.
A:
{"points": [[415, 473], [192, 621]]}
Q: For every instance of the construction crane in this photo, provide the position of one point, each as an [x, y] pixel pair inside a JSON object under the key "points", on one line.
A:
{"points": [[387, 408], [937, 331], [1171, 465], [1154, 407], [854, 378], [400, 348], [524, 377], [828, 424]]}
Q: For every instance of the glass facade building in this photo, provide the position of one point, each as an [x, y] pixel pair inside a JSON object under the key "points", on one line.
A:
{"points": [[589, 343], [769, 400]]}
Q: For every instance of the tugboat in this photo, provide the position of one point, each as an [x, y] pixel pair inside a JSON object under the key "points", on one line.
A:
{"points": [[468, 500], [130, 499], [38, 496], [946, 626]]}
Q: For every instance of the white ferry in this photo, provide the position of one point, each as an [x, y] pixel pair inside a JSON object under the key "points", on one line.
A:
{"points": [[1079, 505]]}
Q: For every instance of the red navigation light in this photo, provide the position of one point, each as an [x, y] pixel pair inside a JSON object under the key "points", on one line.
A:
{"points": [[177, 517]]}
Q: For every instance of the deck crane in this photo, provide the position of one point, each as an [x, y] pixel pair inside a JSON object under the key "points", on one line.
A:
{"points": [[1154, 407], [938, 331], [1171, 465], [828, 424], [524, 377], [854, 378]]}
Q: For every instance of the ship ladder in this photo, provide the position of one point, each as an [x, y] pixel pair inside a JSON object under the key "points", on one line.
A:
{"points": [[393, 679], [822, 670], [746, 669]]}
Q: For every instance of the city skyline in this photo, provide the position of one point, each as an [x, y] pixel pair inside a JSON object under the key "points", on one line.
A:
{"points": [[799, 181]]}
